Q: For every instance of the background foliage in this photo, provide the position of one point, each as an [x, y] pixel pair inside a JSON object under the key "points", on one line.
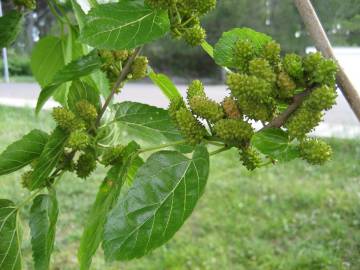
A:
{"points": [[277, 18]]}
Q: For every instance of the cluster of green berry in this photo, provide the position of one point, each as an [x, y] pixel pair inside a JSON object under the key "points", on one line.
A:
{"points": [[29, 4], [264, 82], [262, 86], [185, 17], [224, 120], [114, 61]]}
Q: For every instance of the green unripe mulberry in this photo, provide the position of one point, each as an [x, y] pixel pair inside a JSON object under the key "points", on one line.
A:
{"points": [[195, 35], [139, 68], [85, 165], [107, 57], [231, 108], [206, 108], [175, 104], [66, 162], [190, 127], [243, 52], [67, 119], [233, 131], [200, 7], [293, 66], [261, 68], [122, 55], [256, 110], [319, 69], [195, 89], [302, 122], [286, 85], [271, 52], [252, 87], [78, 140], [113, 156], [315, 151], [86, 110], [250, 158], [322, 98]]}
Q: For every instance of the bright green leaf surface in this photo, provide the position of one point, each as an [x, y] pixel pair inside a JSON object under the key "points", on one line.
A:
{"points": [[276, 143], [76, 69], [47, 58], [10, 237], [80, 90], [223, 52], [43, 217], [10, 26], [165, 192], [165, 84], [107, 196], [22, 152], [48, 158], [123, 25], [146, 122]]}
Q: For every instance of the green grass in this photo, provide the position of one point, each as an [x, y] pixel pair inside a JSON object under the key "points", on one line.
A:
{"points": [[288, 217]]}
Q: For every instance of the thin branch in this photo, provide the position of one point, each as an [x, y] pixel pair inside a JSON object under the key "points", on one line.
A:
{"points": [[123, 75], [280, 120], [322, 43]]}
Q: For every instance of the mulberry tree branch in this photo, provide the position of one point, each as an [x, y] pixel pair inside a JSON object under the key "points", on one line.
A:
{"points": [[322, 43], [122, 77], [280, 120]]}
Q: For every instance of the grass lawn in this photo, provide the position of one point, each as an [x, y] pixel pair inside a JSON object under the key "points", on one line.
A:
{"points": [[288, 217]]}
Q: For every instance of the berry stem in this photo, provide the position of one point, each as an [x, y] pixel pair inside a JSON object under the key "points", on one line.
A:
{"points": [[124, 73], [220, 150]]}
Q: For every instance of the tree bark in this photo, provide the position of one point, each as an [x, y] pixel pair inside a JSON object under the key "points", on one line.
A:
{"points": [[322, 43]]}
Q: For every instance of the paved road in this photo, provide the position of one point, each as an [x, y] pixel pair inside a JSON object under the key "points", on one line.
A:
{"points": [[340, 121]]}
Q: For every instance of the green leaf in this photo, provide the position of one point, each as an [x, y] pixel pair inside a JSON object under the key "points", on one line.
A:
{"points": [[10, 236], [47, 58], [276, 143], [43, 217], [223, 52], [22, 152], [74, 70], [80, 90], [165, 192], [48, 158], [123, 25], [10, 26], [165, 84], [107, 196], [145, 122]]}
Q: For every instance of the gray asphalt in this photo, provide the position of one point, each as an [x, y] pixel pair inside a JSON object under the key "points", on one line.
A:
{"points": [[340, 121]]}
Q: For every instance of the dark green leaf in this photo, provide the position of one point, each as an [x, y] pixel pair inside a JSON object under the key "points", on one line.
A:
{"points": [[223, 52], [78, 68], [80, 90], [74, 70], [107, 196], [48, 158], [276, 143], [123, 25], [165, 192], [10, 236], [22, 152], [165, 84], [47, 58], [43, 217], [10, 26], [145, 122], [79, 14]]}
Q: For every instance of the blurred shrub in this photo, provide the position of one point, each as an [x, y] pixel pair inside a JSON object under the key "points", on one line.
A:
{"points": [[18, 65]]}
